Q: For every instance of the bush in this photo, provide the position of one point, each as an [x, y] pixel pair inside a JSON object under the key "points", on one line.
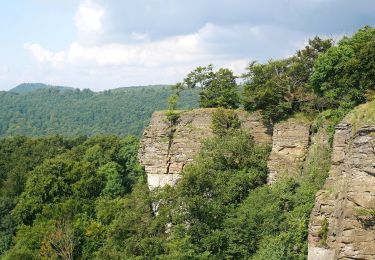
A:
{"points": [[224, 121]]}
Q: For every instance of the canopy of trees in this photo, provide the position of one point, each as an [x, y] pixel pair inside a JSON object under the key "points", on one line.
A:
{"points": [[86, 198], [58, 196], [69, 112], [344, 76], [322, 76], [281, 87]]}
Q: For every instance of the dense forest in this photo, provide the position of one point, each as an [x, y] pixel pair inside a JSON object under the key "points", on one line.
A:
{"points": [[40, 110], [87, 197]]}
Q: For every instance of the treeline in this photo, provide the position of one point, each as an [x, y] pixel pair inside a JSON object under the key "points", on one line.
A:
{"points": [[50, 111], [322, 81]]}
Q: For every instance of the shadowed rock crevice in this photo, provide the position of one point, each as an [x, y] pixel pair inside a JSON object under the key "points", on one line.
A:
{"points": [[170, 142]]}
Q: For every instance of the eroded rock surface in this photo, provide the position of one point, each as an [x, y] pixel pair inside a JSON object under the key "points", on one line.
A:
{"points": [[348, 191], [289, 148], [165, 149]]}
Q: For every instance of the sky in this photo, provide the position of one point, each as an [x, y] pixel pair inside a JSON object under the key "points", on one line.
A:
{"points": [[104, 44]]}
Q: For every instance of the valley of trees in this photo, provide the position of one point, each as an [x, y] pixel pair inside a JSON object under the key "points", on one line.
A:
{"points": [[53, 110], [87, 197]]}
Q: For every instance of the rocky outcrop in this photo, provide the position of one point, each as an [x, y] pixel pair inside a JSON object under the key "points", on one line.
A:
{"points": [[339, 227], [165, 149], [289, 148]]}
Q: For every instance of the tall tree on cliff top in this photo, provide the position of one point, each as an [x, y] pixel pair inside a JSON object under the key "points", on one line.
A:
{"points": [[344, 75], [281, 87], [218, 89]]}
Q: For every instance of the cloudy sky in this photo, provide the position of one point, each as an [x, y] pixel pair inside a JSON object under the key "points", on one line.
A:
{"points": [[103, 44]]}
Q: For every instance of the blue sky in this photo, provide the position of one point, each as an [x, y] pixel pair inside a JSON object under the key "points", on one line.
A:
{"points": [[103, 44]]}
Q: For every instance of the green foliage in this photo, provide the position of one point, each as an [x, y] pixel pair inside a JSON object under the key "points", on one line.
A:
{"points": [[171, 114], [87, 198], [18, 156], [83, 112], [267, 88], [221, 209], [29, 87], [344, 74], [329, 118], [228, 168], [281, 87], [323, 232], [362, 115], [224, 121], [217, 89], [53, 210], [114, 186], [366, 212]]}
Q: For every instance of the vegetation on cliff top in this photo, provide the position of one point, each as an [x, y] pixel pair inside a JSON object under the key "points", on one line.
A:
{"points": [[362, 115], [322, 77]]}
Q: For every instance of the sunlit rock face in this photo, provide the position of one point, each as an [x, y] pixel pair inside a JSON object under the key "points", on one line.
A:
{"points": [[348, 192], [165, 150], [290, 145]]}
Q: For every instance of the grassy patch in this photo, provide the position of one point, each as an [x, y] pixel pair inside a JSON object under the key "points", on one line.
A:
{"points": [[362, 115]]}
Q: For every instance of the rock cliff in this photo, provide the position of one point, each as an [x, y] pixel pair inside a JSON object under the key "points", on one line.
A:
{"points": [[165, 149], [341, 226], [290, 143]]}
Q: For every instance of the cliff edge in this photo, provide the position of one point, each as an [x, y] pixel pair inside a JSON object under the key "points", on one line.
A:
{"points": [[342, 223]]}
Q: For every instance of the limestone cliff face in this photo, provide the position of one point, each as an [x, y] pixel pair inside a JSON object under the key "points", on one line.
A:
{"points": [[337, 230], [165, 149], [290, 143]]}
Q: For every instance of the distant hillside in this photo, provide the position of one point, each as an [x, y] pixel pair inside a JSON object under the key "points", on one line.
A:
{"points": [[71, 112], [29, 87]]}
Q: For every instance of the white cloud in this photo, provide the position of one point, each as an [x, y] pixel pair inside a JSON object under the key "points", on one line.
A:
{"points": [[173, 50], [3, 72], [139, 36], [148, 61], [88, 18], [183, 49], [42, 55]]}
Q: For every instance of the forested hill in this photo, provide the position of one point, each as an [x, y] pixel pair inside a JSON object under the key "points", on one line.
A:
{"points": [[29, 87], [72, 112]]}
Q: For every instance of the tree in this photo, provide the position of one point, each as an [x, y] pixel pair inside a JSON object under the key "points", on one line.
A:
{"points": [[227, 169], [217, 89], [60, 242], [267, 87], [114, 186], [281, 87], [344, 75]]}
